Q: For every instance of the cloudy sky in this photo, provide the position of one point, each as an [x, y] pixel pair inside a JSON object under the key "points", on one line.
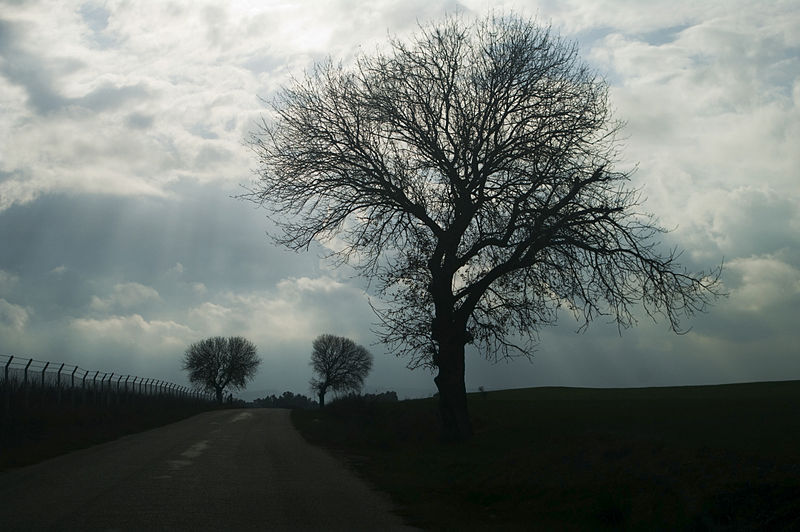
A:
{"points": [[121, 146]]}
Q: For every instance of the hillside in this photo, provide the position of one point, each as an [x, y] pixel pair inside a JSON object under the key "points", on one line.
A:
{"points": [[701, 457]]}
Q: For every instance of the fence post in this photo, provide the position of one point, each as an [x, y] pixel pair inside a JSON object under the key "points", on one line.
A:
{"points": [[72, 386], [58, 382], [83, 386], [94, 386], [27, 390], [43, 370], [110, 390], [5, 378], [26, 372], [7, 387]]}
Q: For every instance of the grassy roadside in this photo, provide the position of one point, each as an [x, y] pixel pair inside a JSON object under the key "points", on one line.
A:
{"points": [[38, 433], [710, 457]]}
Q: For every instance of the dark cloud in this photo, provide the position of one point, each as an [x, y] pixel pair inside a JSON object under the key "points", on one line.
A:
{"points": [[108, 96], [663, 35], [95, 16], [39, 78], [27, 70], [219, 240], [139, 121]]}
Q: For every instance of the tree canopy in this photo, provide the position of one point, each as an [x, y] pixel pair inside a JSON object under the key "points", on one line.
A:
{"points": [[470, 174], [339, 365], [217, 363]]}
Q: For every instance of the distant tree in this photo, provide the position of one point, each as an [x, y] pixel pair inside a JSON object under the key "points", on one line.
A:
{"points": [[340, 365], [216, 364], [287, 400], [470, 175]]}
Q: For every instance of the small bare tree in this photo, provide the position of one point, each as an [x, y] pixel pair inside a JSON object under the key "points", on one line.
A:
{"points": [[217, 363], [470, 173], [340, 365]]}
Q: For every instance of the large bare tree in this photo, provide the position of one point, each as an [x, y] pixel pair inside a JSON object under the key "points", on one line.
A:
{"points": [[470, 175], [218, 363], [339, 364]]}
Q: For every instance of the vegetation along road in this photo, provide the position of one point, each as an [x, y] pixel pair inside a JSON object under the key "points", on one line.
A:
{"points": [[221, 470]]}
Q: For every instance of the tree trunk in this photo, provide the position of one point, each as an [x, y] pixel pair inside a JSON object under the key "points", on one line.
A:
{"points": [[322, 399], [219, 394], [456, 425]]}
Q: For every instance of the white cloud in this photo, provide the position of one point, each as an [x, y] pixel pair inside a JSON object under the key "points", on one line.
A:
{"points": [[712, 119], [133, 331], [128, 97], [146, 99], [126, 296], [297, 310], [766, 282], [7, 280], [59, 270], [199, 289], [13, 316]]}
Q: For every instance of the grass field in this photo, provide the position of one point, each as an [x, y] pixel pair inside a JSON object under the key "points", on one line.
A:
{"points": [[685, 458], [43, 431]]}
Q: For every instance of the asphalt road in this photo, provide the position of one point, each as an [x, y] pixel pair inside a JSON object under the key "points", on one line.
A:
{"points": [[221, 470]]}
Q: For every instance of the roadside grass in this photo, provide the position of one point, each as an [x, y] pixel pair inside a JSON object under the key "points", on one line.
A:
{"points": [[697, 458], [30, 435]]}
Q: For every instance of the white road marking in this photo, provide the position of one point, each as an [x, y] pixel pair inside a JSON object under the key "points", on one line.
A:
{"points": [[178, 464], [195, 450], [188, 456], [241, 417]]}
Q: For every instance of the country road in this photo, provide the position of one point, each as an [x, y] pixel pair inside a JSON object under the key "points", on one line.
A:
{"points": [[221, 470]]}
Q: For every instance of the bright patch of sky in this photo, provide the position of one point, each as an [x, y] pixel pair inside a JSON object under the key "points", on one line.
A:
{"points": [[121, 143]]}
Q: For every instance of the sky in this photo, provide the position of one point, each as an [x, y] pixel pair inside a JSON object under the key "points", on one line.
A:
{"points": [[122, 148]]}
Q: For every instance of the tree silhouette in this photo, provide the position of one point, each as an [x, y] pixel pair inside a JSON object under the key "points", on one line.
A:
{"points": [[340, 365], [469, 174], [217, 363]]}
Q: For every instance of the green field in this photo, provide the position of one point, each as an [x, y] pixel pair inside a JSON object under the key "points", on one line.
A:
{"points": [[697, 458]]}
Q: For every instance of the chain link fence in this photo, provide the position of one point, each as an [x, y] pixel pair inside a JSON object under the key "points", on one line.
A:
{"points": [[26, 381]]}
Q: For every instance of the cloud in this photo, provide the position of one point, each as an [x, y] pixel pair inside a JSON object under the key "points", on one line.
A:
{"points": [[712, 116], [59, 270], [139, 121], [121, 144], [7, 280], [764, 282], [13, 316], [297, 310], [126, 296], [132, 331]]}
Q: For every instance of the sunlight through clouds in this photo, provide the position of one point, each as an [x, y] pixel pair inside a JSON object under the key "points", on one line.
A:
{"points": [[122, 128]]}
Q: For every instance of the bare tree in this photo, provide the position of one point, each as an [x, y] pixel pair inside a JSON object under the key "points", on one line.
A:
{"points": [[341, 365], [217, 363], [469, 174]]}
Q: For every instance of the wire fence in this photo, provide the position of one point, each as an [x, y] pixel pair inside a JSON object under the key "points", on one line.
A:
{"points": [[27, 380]]}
